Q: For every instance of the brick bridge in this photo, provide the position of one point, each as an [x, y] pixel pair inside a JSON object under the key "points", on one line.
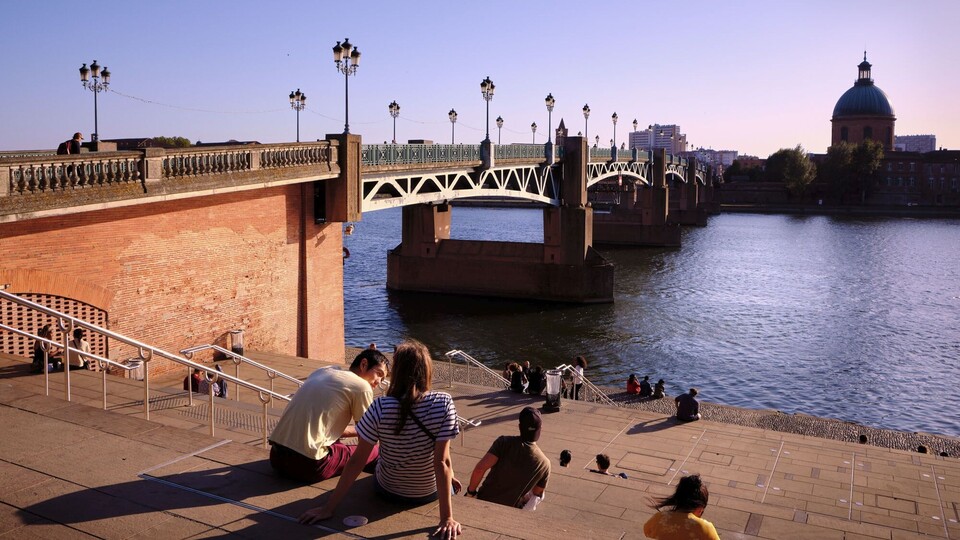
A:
{"points": [[180, 246]]}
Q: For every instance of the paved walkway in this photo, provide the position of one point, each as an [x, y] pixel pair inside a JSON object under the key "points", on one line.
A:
{"points": [[72, 470]]}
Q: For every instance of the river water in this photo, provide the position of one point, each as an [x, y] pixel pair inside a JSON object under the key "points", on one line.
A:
{"points": [[856, 319]]}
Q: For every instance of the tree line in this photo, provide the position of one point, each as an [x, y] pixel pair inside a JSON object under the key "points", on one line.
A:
{"points": [[847, 171]]}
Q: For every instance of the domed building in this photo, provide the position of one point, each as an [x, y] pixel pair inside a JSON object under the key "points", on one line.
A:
{"points": [[863, 112]]}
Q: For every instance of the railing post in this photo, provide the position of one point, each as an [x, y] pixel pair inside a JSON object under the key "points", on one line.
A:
{"points": [[151, 163], [4, 181], [487, 157], [103, 372], [189, 387], [146, 391], [210, 392]]}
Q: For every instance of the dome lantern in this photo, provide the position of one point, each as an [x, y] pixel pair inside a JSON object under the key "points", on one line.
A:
{"points": [[864, 71]]}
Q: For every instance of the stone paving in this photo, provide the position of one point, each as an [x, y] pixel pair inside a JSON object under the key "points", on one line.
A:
{"points": [[73, 470]]}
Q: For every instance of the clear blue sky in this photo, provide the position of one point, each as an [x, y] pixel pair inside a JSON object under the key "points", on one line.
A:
{"points": [[753, 76]]}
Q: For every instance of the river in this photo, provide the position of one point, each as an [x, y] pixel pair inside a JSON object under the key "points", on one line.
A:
{"points": [[856, 319]]}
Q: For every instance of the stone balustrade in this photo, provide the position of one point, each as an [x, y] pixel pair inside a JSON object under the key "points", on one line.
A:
{"points": [[34, 184], [34, 174], [26, 175]]}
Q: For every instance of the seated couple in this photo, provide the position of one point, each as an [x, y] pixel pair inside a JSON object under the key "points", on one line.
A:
{"points": [[403, 436]]}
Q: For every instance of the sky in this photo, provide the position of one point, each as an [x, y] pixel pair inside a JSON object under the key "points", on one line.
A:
{"points": [[751, 76]]}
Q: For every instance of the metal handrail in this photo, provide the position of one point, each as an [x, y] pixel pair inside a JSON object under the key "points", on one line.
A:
{"points": [[237, 360], [598, 394], [145, 353], [471, 360]]}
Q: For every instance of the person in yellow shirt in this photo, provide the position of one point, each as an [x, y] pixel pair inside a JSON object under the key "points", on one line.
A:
{"points": [[305, 444], [683, 520]]}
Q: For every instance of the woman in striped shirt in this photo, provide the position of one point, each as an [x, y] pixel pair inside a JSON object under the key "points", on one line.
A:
{"points": [[414, 427]]}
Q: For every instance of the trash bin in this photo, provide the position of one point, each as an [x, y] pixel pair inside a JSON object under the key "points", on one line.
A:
{"points": [[554, 384], [236, 342], [137, 371]]}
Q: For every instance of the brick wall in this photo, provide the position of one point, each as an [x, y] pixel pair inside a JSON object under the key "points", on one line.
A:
{"points": [[185, 272]]}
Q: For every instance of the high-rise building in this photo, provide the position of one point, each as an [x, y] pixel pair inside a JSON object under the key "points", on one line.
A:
{"points": [[659, 136], [915, 143]]}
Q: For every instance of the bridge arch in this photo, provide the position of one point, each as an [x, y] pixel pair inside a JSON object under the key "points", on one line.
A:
{"points": [[402, 188]]}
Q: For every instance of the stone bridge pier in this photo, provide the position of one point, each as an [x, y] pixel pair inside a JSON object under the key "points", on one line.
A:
{"points": [[691, 208], [640, 219], [564, 268]]}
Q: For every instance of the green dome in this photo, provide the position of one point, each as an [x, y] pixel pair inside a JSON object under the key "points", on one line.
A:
{"points": [[863, 100]]}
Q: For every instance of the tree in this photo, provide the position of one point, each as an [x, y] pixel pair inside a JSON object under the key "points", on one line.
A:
{"points": [[172, 142], [792, 167], [737, 171], [850, 168]]}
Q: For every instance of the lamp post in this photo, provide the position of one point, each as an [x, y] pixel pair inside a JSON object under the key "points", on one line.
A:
{"points": [[452, 115], [550, 103], [298, 102], [586, 117], [100, 82], [394, 113], [614, 118], [486, 90], [596, 141], [499, 126], [347, 59], [533, 128]]}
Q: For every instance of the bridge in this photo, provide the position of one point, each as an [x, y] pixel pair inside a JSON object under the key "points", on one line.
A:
{"points": [[40, 184], [250, 236]]}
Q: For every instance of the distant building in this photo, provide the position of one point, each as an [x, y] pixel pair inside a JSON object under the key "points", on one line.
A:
{"points": [[659, 136], [718, 159], [915, 143], [863, 112]]}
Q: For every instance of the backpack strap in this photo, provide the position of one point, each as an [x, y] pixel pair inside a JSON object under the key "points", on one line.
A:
{"points": [[423, 427]]}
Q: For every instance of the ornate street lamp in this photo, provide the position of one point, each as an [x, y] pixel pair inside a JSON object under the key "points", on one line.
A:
{"points": [[499, 126], [486, 90], [596, 141], [586, 117], [394, 113], [614, 118], [298, 101], [550, 103], [452, 115], [533, 128], [100, 82], [635, 124], [347, 59]]}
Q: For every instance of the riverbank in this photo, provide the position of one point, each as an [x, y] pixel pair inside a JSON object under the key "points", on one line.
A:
{"points": [[861, 211], [800, 424]]}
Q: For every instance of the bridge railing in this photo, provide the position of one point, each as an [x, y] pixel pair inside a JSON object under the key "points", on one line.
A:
{"points": [[519, 151], [41, 174], [34, 173], [373, 155]]}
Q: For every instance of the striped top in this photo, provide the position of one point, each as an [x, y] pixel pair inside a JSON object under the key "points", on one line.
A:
{"points": [[405, 466]]}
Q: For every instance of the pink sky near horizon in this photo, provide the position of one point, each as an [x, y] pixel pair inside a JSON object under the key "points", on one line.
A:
{"points": [[751, 76]]}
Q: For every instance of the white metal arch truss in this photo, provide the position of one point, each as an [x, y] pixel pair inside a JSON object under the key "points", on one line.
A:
{"points": [[392, 189], [599, 171], [678, 171]]}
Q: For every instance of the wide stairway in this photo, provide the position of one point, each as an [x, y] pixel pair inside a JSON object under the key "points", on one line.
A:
{"points": [[70, 469]]}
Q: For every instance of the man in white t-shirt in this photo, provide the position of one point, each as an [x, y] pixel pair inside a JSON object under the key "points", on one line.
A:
{"points": [[306, 444], [75, 359]]}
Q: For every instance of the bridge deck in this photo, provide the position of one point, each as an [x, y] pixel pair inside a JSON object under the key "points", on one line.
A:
{"points": [[73, 470]]}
